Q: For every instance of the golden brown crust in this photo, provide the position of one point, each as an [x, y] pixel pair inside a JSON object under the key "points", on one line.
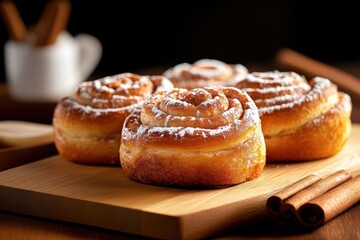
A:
{"points": [[174, 140], [300, 120], [321, 137], [88, 124], [205, 72]]}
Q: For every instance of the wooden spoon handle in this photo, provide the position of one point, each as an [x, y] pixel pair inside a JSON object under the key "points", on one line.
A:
{"points": [[15, 133], [13, 21], [310, 67]]}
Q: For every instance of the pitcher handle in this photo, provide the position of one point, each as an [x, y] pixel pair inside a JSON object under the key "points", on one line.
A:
{"points": [[90, 54]]}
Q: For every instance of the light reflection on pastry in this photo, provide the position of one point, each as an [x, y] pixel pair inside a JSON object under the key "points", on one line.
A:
{"points": [[88, 124], [205, 137], [301, 120]]}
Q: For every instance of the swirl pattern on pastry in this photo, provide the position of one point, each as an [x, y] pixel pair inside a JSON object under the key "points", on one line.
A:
{"points": [[205, 72], [301, 120], [203, 137], [88, 124]]}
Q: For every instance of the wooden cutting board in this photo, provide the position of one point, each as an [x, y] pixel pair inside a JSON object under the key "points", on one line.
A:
{"points": [[104, 197]]}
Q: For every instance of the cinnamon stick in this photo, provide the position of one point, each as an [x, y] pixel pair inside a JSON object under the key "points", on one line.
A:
{"points": [[52, 22], [311, 67], [13, 21], [288, 209], [43, 24], [273, 203], [329, 205]]}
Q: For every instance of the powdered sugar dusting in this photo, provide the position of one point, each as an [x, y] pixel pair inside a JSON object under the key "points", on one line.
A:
{"points": [[282, 90], [181, 132], [96, 112], [276, 89], [281, 78], [222, 129], [315, 92], [206, 72], [158, 113], [239, 114], [250, 118], [277, 100]]}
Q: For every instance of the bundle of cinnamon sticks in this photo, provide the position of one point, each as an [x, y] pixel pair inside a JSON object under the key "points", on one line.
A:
{"points": [[52, 22], [313, 201]]}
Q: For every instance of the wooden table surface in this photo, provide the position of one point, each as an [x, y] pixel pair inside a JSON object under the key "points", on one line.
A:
{"points": [[15, 226]]}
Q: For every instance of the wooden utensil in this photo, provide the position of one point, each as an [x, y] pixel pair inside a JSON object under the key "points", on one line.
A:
{"points": [[311, 67], [18, 133]]}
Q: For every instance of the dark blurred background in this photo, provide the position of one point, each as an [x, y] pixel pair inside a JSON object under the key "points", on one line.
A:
{"points": [[145, 34]]}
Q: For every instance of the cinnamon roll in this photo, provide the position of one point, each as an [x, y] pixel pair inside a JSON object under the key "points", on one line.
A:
{"points": [[301, 120], [205, 72], [204, 137], [88, 124]]}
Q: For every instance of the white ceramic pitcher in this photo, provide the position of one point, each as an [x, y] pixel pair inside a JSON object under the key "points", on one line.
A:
{"points": [[49, 73]]}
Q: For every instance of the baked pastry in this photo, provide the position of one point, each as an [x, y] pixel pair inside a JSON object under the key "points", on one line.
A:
{"points": [[204, 137], [301, 120], [205, 72], [88, 124]]}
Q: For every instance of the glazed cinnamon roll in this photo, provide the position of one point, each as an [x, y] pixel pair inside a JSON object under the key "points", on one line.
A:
{"points": [[301, 120], [205, 72], [88, 124], [205, 137]]}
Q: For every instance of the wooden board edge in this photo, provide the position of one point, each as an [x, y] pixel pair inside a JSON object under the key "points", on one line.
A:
{"points": [[43, 205], [103, 215], [17, 157], [223, 219]]}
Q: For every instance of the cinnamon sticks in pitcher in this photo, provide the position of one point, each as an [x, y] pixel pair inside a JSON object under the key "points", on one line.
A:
{"points": [[13, 21], [52, 22], [312, 201]]}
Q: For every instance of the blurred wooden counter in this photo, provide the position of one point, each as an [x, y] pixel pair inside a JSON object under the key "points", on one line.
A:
{"points": [[32, 112], [13, 226]]}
